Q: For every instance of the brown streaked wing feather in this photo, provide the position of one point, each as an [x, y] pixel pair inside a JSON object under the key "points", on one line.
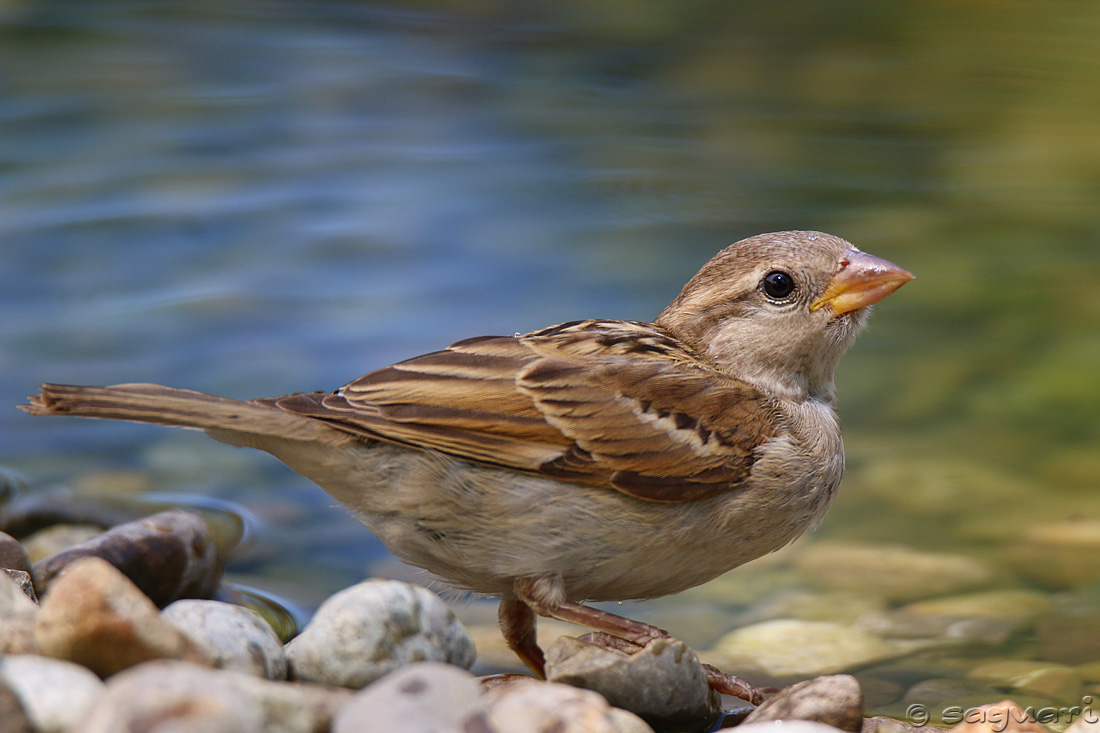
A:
{"points": [[603, 403], [681, 431], [462, 401]]}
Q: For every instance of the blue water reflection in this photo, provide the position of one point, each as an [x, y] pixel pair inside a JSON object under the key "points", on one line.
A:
{"points": [[257, 198]]}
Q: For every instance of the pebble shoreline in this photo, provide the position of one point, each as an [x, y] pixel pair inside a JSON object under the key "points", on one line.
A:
{"points": [[117, 633]]}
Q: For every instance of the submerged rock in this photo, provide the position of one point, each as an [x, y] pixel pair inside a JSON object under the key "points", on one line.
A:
{"points": [[893, 572], [787, 648]]}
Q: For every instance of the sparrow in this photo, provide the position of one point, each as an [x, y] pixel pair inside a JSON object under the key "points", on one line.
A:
{"points": [[596, 460]]}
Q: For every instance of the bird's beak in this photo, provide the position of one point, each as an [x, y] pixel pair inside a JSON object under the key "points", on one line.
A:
{"points": [[861, 280]]}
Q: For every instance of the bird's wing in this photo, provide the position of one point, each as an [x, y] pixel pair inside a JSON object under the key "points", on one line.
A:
{"points": [[602, 403]]}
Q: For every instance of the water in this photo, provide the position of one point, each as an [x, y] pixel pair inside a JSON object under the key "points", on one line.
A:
{"points": [[258, 198]]}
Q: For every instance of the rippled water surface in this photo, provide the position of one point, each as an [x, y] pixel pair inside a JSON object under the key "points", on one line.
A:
{"points": [[258, 198]]}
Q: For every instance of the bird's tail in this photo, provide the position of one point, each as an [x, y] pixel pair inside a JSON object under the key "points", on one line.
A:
{"points": [[223, 418]]}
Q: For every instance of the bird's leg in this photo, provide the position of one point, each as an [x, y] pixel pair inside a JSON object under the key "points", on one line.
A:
{"points": [[544, 595], [727, 684], [517, 624]]}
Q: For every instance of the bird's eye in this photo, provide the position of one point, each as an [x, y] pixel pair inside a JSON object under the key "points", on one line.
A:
{"points": [[778, 284]]}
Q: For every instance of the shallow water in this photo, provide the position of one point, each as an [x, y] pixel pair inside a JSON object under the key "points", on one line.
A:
{"points": [[253, 199]]}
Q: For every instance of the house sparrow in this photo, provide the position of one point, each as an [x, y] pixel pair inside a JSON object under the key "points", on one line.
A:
{"points": [[596, 460]]}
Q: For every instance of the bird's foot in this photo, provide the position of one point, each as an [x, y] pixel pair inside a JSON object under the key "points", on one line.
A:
{"points": [[543, 596], [720, 682]]}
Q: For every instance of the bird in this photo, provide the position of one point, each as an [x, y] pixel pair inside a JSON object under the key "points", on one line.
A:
{"points": [[595, 460]]}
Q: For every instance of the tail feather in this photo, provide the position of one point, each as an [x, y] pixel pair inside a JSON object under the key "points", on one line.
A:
{"points": [[154, 403]]}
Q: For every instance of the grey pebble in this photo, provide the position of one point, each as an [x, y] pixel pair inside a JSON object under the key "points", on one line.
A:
{"points": [[372, 628], [663, 683], [421, 697], [836, 700], [233, 637]]}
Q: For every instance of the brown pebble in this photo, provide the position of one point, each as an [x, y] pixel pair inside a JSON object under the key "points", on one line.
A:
{"points": [[95, 616], [170, 555]]}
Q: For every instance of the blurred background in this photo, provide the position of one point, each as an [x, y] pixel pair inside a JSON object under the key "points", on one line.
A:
{"points": [[253, 198]]}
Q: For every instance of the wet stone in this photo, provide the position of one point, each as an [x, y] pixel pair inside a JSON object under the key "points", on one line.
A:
{"points": [[836, 700], [878, 692], [95, 616], [169, 555], [836, 607], [372, 628], [1017, 605], [663, 683], [33, 511], [1070, 637], [894, 572], [13, 556], [946, 688], [944, 630], [1059, 554], [1090, 672], [54, 695], [232, 637]]}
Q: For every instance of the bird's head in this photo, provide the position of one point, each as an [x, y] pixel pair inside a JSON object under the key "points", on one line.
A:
{"points": [[780, 309]]}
